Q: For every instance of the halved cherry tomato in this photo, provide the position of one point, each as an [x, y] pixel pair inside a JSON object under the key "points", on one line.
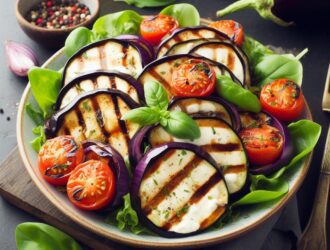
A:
{"points": [[194, 77], [283, 99], [263, 145], [154, 28], [91, 185], [231, 28], [58, 157]]}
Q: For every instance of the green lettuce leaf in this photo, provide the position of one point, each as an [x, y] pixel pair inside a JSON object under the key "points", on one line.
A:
{"points": [[37, 142], [35, 114]]}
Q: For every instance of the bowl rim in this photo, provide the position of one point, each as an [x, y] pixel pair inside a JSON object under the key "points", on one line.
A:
{"points": [[191, 243], [22, 20]]}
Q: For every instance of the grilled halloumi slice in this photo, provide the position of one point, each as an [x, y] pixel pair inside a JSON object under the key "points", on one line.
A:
{"points": [[221, 142], [189, 33], [110, 54], [227, 54], [98, 80], [182, 193], [162, 69], [96, 115]]}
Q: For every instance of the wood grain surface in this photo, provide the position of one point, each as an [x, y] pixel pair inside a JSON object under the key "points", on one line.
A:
{"points": [[18, 189]]}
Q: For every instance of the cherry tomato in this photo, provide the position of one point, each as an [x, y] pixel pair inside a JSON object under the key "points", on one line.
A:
{"points": [[283, 99], [194, 77], [154, 28], [263, 145], [231, 28], [58, 157], [91, 185]]}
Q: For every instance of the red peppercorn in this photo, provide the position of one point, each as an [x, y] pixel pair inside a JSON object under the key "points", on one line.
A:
{"points": [[39, 20], [49, 4]]}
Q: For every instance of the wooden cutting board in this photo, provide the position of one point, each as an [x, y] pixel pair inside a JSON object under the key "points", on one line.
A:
{"points": [[17, 188]]}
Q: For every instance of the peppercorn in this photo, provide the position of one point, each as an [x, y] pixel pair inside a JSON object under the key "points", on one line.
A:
{"points": [[58, 14]]}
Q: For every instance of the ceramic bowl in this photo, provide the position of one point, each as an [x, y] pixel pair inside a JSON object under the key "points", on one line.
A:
{"points": [[52, 38]]}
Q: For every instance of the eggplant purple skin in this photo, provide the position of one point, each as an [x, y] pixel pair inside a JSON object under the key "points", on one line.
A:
{"points": [[287, 153], [52, 124], [117, 165], [235, 119], [139, 173], [95, 74], [143, 53], [193, 29]]}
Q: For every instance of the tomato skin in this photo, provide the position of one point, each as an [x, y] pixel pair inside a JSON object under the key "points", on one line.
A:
{"points": [[283, 99], [231, 28], [154, 28], [58, 157], [263, 145], [193, 78], [91, 185]]}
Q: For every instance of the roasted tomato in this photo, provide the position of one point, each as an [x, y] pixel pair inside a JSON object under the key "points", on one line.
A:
{"points": [[58, 157], [283, 99], [154, 28], [91, 185], [263, 144], [194, 77], [231, 28]]}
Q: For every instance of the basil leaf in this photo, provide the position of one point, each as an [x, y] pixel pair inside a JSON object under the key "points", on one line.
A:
{"points": [[234, 93], [119, 23], [143, 116], [77, 39], [40, 139], [156, 95], [35, 114], [182, 126], [273, 67], [185, 14], [40, 236], [45, 86], [147, 3]]}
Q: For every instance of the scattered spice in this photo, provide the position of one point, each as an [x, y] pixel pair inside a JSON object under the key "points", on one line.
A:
{"points": [[2, 111], [58, 14], [8, 118]]}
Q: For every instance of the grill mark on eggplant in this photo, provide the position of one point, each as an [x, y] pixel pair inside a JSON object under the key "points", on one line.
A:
{"points": [[160, 79], [157, 164], [103, 57], [124, 60], [230, 60], [99, 117], [171, 185], [216, 147], [213, 217], [122, 123], [95, 84], [234, 169], [81, 120], [113, 83], [196, 197]]}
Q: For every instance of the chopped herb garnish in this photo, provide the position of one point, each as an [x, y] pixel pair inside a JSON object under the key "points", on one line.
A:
{"points": [[183, 152], [213, 130], [182, 210], [93, 131], [176, 64], [163, 72], [86, 106], [165, 191], [167, 213], [187, 191], [84, 55], [79, 88], [180, 161], [275, 139], [209, 197], [156, 183]]}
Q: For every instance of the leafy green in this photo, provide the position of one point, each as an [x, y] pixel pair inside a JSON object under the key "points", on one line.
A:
{"points": [[77, 39], [119, 23], [147, 3], [45, 86], [177, 123], [234, 93], [35, 114], [37, 142], [126, 218], [40, 236], [186, 14]]}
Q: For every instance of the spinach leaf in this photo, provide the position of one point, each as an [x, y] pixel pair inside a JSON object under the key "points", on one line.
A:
{"points": [[45, 86], [35, 114], [156, 96], [234, 93], [77, 39], [185, 14], [119, 23], [147, 3], [40, 236], [37, 142]]}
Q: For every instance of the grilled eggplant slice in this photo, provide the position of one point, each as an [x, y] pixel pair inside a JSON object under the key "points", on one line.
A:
{"points": [[109, 54], [221, 142], [162, 69], [178, 190], [189, 33], [96, 115], [227, 54], [210, 106], [185, 47], [99, 80]]}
